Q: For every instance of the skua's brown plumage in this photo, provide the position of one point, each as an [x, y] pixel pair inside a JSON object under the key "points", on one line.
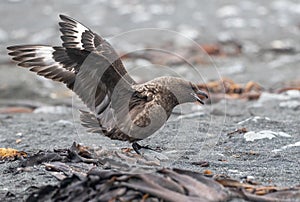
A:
{"points": [[119, 107]]}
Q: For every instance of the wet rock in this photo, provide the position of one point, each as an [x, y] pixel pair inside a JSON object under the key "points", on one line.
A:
{"points": [[3, 35], [53, 110], [228, 11], [63, 123], [252, 136], [292, 104], [266, 97], [297, 144], [281, 46], [232, 69], [19, 33], [234, 23], [13, 110], [254, 119], [289, 99], [293, 94]]}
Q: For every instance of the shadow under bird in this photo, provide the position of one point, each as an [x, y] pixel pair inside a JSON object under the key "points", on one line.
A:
{"points": [[119, 107]]}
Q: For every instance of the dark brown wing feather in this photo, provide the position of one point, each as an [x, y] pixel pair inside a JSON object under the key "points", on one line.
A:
{"points": [[47, 61]]}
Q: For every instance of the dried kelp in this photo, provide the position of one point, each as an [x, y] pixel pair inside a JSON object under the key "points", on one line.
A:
{"points": [[124, 159], [162, 185], [227, 88], [11, 154], [87, 174]]}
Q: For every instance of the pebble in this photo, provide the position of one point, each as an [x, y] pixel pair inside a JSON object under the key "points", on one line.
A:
{"points": [[63, 122], [281, 44], [191, 116]]}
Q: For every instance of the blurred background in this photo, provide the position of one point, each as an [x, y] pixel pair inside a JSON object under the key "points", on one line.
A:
{"points": [[254, 44], [245, 40]]}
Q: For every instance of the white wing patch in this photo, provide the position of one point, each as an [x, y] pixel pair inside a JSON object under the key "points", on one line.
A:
{"points": [[103, 105], [72, 32], [37, 57], [78, 31], [46, 54]]}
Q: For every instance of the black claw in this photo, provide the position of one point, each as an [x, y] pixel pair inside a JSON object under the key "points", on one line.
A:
{"points": [[136, 147]]}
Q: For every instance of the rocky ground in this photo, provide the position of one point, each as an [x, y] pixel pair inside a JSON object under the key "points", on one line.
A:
{"points": [[246, 41]]}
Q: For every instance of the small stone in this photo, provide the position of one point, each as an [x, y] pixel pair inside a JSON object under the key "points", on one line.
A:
{"points": [[18, 141]]}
